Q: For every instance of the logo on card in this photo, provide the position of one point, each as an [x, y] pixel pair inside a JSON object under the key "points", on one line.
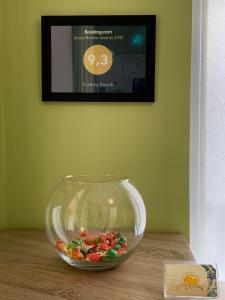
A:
{"points": [[190, 280]]}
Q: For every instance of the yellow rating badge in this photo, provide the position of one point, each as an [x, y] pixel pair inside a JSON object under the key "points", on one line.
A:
{"points": [[98, 59]]}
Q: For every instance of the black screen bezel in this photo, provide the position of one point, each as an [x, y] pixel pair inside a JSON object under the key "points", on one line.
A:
{"points": [[147, 20]]}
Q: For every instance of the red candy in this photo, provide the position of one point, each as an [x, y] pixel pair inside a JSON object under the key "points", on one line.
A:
{"points": [[104, 247], [59, 244], [113, 244], [120, 252], [83, 233], [90, 239], [94, 257]]}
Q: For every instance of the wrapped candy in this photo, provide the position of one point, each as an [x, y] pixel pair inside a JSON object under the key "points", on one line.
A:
{"points": [[94, 247]]}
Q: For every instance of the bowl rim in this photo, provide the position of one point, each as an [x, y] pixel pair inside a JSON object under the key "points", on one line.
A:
{"points": [[95, 178]]}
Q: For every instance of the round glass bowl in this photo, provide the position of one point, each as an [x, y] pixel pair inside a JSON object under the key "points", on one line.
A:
{"points": [[95, 222]]}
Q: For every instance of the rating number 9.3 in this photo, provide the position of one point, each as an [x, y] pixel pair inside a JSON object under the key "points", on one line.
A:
{"points": [[92, 59], [98, 59]]}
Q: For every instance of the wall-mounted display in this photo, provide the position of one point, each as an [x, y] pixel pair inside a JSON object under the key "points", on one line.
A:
{"points": [[98, 58]]}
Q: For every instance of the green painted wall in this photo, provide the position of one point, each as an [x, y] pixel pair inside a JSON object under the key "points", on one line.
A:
{"points": [[2, 147], [45, 141]]}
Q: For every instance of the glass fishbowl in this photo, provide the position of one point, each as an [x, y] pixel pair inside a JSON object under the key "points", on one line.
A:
{"points": [[95, 222]]}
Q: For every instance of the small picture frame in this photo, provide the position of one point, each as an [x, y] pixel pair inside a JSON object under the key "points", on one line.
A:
{"points": [[98, 58], [187, 279]]}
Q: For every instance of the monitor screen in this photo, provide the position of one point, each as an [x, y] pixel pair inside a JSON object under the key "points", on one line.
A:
{"points": [[96, 59]]}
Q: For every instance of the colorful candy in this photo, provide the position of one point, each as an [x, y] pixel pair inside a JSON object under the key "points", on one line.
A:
{"points": [[94, 247]]}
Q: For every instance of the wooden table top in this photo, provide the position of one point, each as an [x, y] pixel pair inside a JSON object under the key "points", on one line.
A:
{"points": [[30, 269]]}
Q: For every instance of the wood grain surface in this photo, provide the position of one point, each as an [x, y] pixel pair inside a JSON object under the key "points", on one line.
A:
{"points": [[30, 269]]}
